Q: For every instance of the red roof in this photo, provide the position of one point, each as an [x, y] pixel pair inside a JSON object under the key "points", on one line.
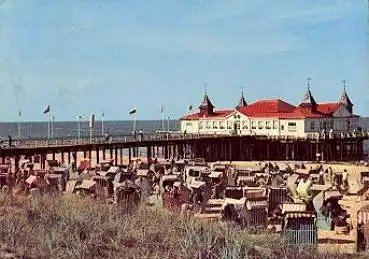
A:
{"points": [[274, 108], [215, 115], [267, 108], [328, 108]]}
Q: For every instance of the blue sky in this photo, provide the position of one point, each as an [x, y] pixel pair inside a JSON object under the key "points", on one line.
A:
{"points": [[89, 56]]}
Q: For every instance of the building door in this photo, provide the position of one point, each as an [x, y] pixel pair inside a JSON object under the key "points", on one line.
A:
{"points": [[237, 127]]}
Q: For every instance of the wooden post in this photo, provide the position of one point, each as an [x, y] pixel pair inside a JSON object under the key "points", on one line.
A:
{"points": [[75, 158], [104, 153], [129, 155], [53, 155], [148, 153], [115, 156], [69, 160], [97, 155], [111, 153]]}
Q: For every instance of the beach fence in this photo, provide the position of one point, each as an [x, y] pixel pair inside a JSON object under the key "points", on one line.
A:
{"points": [[277, 196], [300, 230]]}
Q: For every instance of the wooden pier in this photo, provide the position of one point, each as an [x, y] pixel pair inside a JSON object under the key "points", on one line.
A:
{"points": [[348, 147]]}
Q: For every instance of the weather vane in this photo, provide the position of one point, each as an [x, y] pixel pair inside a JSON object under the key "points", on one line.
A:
{"points": [[344, 85], [308, 83]]}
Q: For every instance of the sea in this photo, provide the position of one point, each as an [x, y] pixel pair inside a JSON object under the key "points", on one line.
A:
{"points": [[63, 129]]}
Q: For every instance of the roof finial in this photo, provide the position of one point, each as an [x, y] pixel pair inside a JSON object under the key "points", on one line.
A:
{"points": [[242, 91], [206, 88], [344, 85], [308, 83]]}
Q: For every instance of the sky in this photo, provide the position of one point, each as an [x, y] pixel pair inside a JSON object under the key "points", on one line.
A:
{"points": [[91, 56]]}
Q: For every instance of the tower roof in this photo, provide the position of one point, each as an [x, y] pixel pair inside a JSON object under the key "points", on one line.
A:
{"points": [[308, 99], [242, 102], [206, 103], [345, 99]]}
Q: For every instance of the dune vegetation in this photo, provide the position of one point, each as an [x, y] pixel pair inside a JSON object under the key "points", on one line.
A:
{"points": [[74, 227]]}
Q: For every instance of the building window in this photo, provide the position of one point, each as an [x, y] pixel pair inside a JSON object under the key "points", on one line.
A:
{"points": [[275, 124], [267, 125], [188, 124], [208, 124], [201, 125], [331, 125], [238, 125], [348, 124], [215, 125], [291, 126], [282, 127], [229, 124], [253, 124], [221, 125], [312, 125], [244, 125], [260, 125]]}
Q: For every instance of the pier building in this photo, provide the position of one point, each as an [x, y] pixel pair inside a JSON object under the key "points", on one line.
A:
{"points": [[274, 117]]}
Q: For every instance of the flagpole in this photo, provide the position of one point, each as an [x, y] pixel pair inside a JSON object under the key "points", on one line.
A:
{"points": [[79, 128], [19, 124], [168, 123], [134, 123], [52, 126], [48, 126], [102, 124], [162, 119]]}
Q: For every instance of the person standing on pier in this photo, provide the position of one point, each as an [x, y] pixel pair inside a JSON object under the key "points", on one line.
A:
{"points": [[141, 135], [10, 140]]}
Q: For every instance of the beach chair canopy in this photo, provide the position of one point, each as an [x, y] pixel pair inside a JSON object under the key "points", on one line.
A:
{"points": [[86, 184], [215, 174], [113, 169], [289, 207]]}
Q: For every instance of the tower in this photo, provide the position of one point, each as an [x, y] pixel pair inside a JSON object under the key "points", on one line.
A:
{"points": [[242, 101], [206, 107], [308, 100], [345, 99]]}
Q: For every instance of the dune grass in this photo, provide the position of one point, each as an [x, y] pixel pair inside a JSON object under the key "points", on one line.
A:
{"points": [[71, 227]]}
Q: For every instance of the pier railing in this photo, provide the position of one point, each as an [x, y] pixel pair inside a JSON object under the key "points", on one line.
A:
{"points": [[33, 143]]}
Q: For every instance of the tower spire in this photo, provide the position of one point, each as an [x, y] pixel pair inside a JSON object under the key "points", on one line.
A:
{"points": [[308, 83], [345, 99], [242, 101], [206, 107], [344, 85], [308, 100]]}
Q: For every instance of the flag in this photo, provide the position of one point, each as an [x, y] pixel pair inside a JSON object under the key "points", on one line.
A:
{"points": [[47, 109], [161, 109], [133, 110], [190, 108]]}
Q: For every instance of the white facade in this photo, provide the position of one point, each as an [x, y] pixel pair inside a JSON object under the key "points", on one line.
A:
{"points": [[238, 123]]}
